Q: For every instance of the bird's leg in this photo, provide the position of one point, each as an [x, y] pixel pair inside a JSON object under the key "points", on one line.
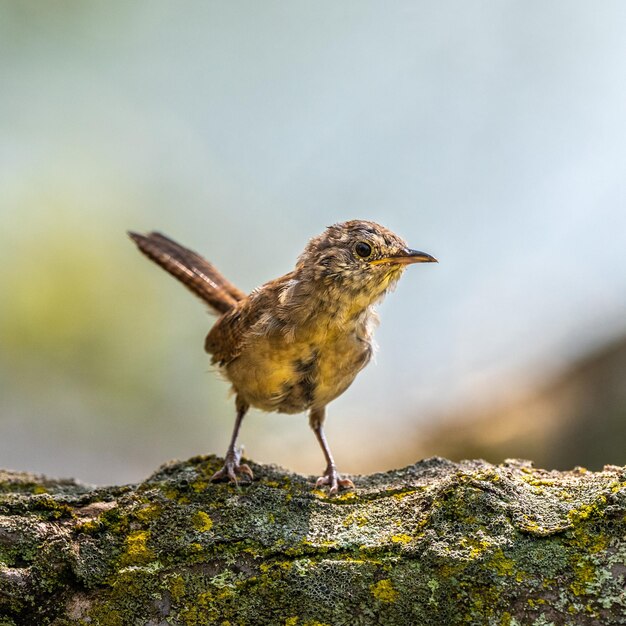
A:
{"points": [[331, 477], [232, 467]]}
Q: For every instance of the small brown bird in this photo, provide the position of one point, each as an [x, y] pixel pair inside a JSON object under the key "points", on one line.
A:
{"points": [[297, 342]]}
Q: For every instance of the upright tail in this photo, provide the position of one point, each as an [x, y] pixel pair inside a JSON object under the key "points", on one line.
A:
{"points": [[195, 272]]}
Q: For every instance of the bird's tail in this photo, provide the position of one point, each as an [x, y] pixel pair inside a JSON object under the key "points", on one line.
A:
{"points": [[194, 271]]}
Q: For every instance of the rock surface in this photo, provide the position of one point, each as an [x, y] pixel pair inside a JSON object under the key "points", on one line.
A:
{"points": [[431, 544]]}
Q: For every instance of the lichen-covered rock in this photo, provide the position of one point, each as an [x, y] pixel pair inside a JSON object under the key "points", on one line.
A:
{"points": [[435, 543]]}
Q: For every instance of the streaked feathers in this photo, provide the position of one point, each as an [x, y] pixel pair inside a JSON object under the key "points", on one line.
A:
{"points": [[194, 271]]}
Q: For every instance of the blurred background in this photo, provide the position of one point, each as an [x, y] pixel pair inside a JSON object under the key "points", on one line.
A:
{"points": [[490, 134]]}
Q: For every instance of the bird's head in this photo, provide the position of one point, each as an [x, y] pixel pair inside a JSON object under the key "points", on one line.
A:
{"points": [[361, 258]]}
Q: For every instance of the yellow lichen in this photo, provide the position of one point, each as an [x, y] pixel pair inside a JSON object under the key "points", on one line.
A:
{"points": [[586, 511], [477, 547], [291, 621], [487, 475], [502, 564], [590, 542], [383, 591], [137, 550], [199, 485], [149, 512], [349, 495], [401, 538], [177, 587], [202, 522], [201, 612], [170, 493], [355, 518], [520, 577], [276, 565], [88, 526], [531, 479], [402, 494], [617, 486], [585, 573]]}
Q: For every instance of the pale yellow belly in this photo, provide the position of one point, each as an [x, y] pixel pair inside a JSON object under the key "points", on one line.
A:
{"points": [[273, 374]]}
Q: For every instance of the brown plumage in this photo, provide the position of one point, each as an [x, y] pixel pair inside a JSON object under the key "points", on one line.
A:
{"points": [[297, 342], [195, 272]]}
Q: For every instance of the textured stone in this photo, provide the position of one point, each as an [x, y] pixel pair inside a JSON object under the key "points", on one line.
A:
{"points": [[434, 543]]}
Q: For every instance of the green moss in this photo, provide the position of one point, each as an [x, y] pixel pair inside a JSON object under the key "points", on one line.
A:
{"points": [[107, 617], [49, 508], [115, 520], [436, 544]]}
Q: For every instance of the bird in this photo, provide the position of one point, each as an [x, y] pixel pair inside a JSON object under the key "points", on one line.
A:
{"points": [[297, 342]]}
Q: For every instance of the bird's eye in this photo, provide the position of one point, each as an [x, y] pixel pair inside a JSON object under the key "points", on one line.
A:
{"points": [[364, 250]]}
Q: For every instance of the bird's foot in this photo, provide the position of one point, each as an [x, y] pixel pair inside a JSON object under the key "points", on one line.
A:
{"points": [[333, 479], [233, 468]]}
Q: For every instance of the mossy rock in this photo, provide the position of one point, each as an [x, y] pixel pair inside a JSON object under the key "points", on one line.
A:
{"points": [[436, 543]]}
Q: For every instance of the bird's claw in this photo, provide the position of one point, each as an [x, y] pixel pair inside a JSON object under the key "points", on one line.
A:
{"points": [[333, 479], [233, 468]]}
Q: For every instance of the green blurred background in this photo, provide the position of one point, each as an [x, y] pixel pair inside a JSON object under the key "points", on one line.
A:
{"points": [[490, 134]]}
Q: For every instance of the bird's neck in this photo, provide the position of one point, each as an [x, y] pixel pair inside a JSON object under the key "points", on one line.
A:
{"points": [[329, 301]]}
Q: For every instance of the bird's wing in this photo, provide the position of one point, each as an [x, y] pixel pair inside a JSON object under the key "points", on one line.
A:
{"points": [[260, 314], [231, 331]]}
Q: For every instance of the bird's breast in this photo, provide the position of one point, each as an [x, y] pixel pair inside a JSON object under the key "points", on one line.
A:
{"points": [[290, 376]]}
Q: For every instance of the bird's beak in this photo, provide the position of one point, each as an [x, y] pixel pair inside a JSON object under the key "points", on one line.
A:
{"points": [[406, 257]]}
